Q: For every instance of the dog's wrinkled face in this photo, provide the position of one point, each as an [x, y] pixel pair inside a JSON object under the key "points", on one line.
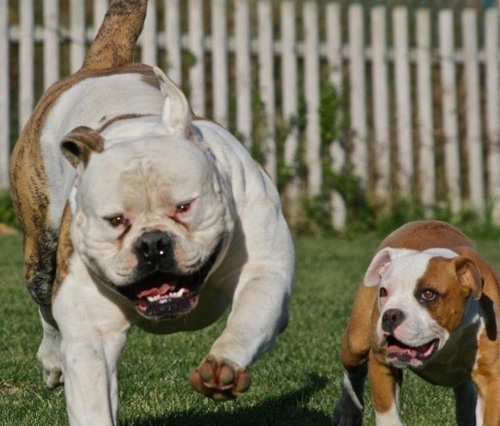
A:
{"points": [[151, 213], [423, 297], [151, 220]]}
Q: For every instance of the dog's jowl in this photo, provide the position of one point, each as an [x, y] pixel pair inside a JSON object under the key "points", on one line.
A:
{"points": [[134, 214]]}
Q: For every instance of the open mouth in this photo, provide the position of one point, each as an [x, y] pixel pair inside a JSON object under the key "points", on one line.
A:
{"points": [[404, 354], [163, 295]]}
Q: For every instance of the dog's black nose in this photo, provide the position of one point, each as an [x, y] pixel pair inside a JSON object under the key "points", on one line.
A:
{"points": [[153, 246], [391, 319]]}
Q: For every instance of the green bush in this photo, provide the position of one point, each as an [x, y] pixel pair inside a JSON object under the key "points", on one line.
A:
{"points": [[7, 215]]}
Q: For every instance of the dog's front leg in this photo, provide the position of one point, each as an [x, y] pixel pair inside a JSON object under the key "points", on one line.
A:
{"points": [[386, 385], [487, 380], [94, 333], [90, 373], [259, 313], [355, 351]]}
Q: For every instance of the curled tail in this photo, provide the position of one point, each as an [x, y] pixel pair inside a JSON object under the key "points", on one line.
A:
{"points": [[115, 41]]}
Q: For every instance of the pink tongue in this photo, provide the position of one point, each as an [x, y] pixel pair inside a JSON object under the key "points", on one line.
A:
{"points": [[155, 291]]}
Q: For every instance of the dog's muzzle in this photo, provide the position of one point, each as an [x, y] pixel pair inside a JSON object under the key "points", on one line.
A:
{"points": [[160, 292]]}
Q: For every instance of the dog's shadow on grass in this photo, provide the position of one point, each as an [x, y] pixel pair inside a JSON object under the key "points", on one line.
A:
{"points": [[288, 409]]}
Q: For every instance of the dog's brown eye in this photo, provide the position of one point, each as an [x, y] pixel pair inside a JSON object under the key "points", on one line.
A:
{"points": [[183, 208], [428, 295], [116, 220], [382, 292]]}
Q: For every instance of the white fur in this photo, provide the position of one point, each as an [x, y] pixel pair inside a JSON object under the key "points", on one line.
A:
{"points": [[400, 279], [86, 104], [150, 166], [389, 418]]}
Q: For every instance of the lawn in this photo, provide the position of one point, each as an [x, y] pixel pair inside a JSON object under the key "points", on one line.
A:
{"points": [[296, 383]]}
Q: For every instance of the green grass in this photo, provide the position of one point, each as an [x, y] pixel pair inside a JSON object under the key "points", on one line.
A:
{"points": [[296, 383]]}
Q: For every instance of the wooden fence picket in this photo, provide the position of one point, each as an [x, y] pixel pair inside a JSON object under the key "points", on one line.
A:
{"points": [[197, 49], [100, 8], [449, 108], [26, 62], [311, 82], [219, 61], [173, 43], [357, 78], [473, 112], [266, 82], [4, 96], [148, 39], [426, 157], [289, 85], [380, 98], [403, 101], [243, 70], [333, 19], [492, 39], [51, 51], [77, 34]]}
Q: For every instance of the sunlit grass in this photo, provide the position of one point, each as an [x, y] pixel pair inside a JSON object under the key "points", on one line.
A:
{"points": [[297, 383]]}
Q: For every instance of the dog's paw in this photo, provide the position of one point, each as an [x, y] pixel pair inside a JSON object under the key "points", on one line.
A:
{"points": [[49, 360], [347, 414], [219, 379]]}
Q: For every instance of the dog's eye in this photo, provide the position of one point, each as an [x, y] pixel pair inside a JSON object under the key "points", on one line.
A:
{"points": [[117, 220], [183, 208], [382, 292], [428, 295]]}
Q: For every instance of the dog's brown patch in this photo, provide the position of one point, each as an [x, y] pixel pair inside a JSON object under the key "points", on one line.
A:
{"points": [[425, 234], [65, 250], [79, 144], [442, 276]]}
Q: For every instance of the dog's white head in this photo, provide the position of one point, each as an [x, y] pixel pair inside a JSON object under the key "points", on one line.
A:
{"points": [[423, 298], [151, 212]]}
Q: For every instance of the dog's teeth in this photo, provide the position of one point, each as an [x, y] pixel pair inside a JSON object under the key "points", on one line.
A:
{"points": [[178, 293], [160, 297]]}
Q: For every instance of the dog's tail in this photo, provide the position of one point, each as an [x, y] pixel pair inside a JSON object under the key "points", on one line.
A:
{"points": [[115, 41]]}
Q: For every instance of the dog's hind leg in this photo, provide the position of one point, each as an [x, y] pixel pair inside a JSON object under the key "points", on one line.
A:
{"points": [[49, 352], [465, 404], [355, 349]]}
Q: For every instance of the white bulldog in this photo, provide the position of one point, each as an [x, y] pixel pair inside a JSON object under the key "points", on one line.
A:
{"points": [[135, 212]]}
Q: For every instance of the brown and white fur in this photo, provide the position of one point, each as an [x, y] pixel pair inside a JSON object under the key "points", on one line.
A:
{"points": [[135, 213], [428, 302]]}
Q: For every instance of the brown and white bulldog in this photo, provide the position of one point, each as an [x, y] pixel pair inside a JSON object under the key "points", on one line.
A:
{"points": [[428, 302], [136, 213]]}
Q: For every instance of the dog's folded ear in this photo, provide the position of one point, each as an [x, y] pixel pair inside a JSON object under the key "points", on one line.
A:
{"points": [[79, 144], [176, 114], [469, 275], [381, 262], [378, 267]]}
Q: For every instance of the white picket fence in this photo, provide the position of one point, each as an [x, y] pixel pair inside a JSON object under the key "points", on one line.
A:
{"points": [[421, 107]]}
